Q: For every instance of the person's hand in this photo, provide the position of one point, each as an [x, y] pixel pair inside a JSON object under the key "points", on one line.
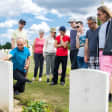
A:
{"points": [[86, 59], [26, 67], [78, 34]]}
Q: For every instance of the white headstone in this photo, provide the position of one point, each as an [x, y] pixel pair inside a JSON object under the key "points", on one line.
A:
{"points": [[89, 91], [6, 86], [2, 54]]}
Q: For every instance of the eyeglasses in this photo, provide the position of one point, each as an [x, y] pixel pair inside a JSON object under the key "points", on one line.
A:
{"points": [[98, 14], [19, 44], [77, 27], [90, 23]]}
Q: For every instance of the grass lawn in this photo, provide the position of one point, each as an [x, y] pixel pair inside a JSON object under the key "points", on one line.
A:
{"points": [[57, 96]]}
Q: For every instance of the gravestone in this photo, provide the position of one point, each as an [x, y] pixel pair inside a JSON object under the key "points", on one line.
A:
{"points": [[6, 86], [89, 91], [2, 54]]}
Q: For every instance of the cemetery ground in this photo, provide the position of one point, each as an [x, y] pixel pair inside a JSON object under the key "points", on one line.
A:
{"points": [[57, 96]]}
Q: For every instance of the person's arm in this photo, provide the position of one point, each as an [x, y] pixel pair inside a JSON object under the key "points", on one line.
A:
{"points": [[27, 63], [57, 45], [64, 44], [33, 45], [45, 46], [86, 51], [77, 41], [12, 43], [6, 58], [26, 43]]}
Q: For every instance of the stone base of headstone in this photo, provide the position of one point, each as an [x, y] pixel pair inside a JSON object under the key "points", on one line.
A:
{"points": [[6, 86]]}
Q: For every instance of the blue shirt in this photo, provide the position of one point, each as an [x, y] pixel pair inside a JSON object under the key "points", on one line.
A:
{"points": [[92, 36], [82, 40], [73, 34], [19, 58]]}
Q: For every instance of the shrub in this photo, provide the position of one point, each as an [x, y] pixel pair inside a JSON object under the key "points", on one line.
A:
{"points": [[37, 107]]}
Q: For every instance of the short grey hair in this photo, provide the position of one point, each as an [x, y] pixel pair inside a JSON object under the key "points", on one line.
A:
{"points": [[92, 18], [20, 39], [41, 31]]}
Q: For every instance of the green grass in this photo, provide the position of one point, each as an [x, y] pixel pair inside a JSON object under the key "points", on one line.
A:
{"points": [[57, 96]]}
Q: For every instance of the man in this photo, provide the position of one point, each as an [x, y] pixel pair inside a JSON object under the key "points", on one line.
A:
{"points": [[20, 57], [80, 43], [73, 49], [19, 33], [61, 43], [91, 46]]}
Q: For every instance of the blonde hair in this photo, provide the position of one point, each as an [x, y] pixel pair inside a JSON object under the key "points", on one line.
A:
{"points": [[105, 10]]}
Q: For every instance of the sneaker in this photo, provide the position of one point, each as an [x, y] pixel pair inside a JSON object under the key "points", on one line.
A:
{"points": [[48, 80], [53, 83], [28, 81], [40, 79], [62, 83], [33, 79]]}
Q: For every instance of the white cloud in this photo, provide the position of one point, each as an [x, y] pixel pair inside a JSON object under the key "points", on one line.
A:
{"points": [[43, 25], [8, 34], [16, 7], [42, 17], [8, 24], [56, 12]]}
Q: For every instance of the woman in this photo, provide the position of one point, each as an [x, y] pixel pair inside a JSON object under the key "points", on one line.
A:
{"points": [[105, 16], [38, 55], [50, 52]]}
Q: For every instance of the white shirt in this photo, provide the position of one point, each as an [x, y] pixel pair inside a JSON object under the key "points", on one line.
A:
{"points": [[102, 35], [49, 45]]}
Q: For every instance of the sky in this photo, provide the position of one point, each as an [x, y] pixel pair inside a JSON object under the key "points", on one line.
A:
{"points": [[43, 14]]}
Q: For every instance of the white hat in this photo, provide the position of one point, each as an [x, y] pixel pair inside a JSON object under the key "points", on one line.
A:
{"points": [[72, 20]]}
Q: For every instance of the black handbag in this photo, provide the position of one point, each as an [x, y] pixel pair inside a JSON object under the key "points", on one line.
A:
{"points": [[108, 43]]}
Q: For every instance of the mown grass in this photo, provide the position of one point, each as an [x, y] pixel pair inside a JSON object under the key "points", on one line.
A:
{"points": [[57, 96]]}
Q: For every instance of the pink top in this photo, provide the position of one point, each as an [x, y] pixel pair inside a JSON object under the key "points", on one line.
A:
{"points": [[38, 46]]}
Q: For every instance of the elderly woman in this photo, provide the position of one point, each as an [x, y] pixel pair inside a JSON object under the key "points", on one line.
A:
{"points": [[20, 57], [50, 52], [105, 42], [38, 54]]}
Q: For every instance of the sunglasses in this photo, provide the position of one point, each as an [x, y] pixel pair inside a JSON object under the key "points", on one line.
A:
{"points": [[77, 27], [98, 14]]}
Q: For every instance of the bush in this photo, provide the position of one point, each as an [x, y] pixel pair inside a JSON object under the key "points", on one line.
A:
{"points": [[37, 107]]}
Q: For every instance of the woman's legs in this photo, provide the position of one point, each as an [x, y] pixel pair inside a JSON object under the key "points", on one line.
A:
{"points": [[36, 61], [41, 58]]}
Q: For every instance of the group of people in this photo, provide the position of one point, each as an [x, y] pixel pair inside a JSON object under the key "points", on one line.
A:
{"points": [[88, 49]]}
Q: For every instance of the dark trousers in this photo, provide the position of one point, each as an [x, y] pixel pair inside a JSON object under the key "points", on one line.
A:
{"points": [[73, 58], [21, 80], [81, 62], [60, 60], [39, 61]]}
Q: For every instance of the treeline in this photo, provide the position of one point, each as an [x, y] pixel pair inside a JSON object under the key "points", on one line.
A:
{"points": [[6, 46]]}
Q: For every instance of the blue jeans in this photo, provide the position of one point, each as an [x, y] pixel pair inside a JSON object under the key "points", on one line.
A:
{"points": [[81, 63]]}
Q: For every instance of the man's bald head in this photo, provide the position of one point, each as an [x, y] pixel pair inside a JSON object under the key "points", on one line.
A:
{"points": [[20, 43]]}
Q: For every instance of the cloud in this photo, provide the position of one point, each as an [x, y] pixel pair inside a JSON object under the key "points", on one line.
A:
{"points": [[11, 8], [8, 34], [8, 24], [76, 8], [41, 17], [37, 27]]}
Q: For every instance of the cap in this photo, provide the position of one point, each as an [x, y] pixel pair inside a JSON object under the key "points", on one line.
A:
{"points": [[62, 28]]}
